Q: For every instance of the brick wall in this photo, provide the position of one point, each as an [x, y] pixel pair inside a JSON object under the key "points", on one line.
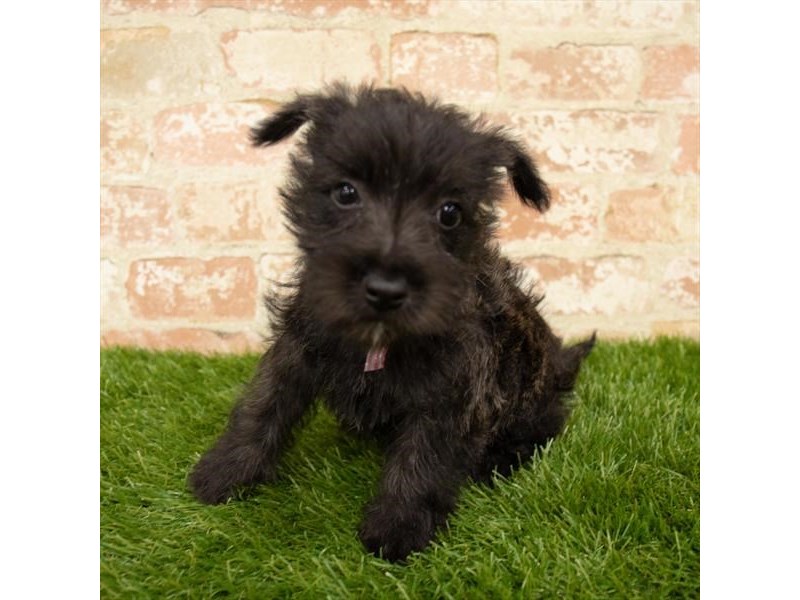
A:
{"points": [[604, 93]]}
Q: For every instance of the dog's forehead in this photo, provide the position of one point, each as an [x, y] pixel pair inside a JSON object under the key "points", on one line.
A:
{"points": [[390, 142]]}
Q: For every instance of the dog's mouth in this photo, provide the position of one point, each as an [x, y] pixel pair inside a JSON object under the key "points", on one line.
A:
{"points": [[376, 330]]}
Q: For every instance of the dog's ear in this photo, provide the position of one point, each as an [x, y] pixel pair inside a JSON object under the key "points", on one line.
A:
{"points": [[525, 177], [283, 123], [313, 108]]}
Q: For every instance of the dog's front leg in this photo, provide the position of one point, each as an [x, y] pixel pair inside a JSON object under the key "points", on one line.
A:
{"points": [[260, 425], [425, 466]]}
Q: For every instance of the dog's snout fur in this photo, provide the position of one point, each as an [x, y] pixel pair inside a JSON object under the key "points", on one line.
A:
{"points": [[404, 317]]}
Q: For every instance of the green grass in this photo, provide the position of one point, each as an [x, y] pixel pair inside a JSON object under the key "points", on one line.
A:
{"points": [[610, 510]]}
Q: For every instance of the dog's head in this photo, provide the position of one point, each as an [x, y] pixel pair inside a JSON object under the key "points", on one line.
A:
{"points": [[392, 201]]}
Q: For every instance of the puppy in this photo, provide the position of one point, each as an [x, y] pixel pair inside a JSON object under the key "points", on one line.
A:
{"points": [[404, 317]]}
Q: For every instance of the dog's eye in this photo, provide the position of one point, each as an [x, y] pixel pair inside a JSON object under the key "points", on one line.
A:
{"points": [[345, 195], [449, 215]]}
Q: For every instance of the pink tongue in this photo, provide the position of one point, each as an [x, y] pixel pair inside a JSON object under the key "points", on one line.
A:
{"points": [[376, 359]]}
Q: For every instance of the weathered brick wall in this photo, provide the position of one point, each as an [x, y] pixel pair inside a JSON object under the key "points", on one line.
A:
{"points": [[604, 93]]}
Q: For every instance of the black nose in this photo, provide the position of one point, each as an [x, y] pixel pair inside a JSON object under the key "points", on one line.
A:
{"points": [[385, 291]]}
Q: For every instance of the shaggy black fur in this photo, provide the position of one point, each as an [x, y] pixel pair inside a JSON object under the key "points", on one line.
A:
{"points": [[392, 201]]}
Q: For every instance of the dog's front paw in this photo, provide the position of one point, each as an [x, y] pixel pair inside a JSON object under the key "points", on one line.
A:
{"points": [[227, 468], [394, 532], [208, 482]]}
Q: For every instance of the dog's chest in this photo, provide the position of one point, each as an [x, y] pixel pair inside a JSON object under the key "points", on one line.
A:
{"points": [[370, 400]]}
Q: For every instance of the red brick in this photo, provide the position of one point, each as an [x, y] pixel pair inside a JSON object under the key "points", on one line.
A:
{"points": [[131, 215], [111, 292], [121, 7], [208, 135], [230, 212], [281, 61], [671, 73], [687, 155], [689, 213], [637, 15], [219, 288], [560, 15], [681, 281], [455, 66], [642, 215], [609, 285], [185, 7], [199, 340], [152, 61], [123, 143], [326, 9], [591, 141], [570, 72], [300, 8], [573, 216]]}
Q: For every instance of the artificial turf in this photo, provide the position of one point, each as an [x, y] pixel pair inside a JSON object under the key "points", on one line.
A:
{"points": [[611, 509]]}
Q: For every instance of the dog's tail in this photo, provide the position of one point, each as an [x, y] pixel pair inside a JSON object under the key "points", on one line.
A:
{"points": [[569, 363]]}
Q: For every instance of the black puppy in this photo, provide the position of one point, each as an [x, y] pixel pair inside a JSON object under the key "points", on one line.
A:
{"points": [[404, 317]]}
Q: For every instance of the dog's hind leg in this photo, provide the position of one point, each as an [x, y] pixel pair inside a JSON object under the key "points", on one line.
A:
{"points": [[540, 420], [260, 426]]}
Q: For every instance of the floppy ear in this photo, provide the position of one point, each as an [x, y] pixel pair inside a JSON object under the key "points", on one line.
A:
{"points": [[316, 108], [525, 177], [283, 123]]}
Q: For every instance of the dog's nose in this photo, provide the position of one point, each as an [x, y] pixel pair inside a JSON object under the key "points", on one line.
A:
{"points": [[384, 291]]}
